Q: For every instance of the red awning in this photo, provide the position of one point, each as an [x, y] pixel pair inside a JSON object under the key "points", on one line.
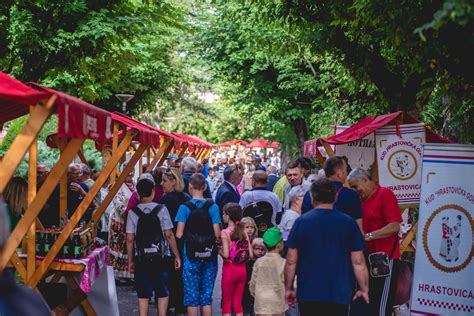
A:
{"points": [[235, 142], [147, 135], [263, 143], [201, 141], [79, 119], [191, 141], [367, 126], [15, 98]]}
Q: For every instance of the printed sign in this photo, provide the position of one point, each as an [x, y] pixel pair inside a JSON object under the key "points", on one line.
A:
{"points": [[360, 153], [399, 154], [444, 272]]}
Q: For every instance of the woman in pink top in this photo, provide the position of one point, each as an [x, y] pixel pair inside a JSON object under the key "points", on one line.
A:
{"points": [[235, 251]]}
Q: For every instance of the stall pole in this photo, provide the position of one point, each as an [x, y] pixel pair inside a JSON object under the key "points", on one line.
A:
{"points": [[31, 237], [114, 148], [23, 141], [163, 151], [39, 201], [118, 183], [183, 149], [61, 142], [328, 148]]}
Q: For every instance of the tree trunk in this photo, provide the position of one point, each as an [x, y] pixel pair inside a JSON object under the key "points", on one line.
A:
{"points": [[301, 133]]}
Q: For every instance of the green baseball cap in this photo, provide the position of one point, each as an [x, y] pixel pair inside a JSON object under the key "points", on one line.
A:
{"points": [[272, 237]]}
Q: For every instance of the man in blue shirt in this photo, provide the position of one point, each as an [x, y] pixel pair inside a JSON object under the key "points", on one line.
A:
{"points": [[347, 200], [325, 251]]}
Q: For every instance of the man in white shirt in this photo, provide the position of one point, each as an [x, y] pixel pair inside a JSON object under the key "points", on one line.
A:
{"points": [[260, 193]]}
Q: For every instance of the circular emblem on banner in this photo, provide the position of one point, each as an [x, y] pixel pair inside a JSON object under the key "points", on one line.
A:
{"points": [[448, 238], [402, 165]]}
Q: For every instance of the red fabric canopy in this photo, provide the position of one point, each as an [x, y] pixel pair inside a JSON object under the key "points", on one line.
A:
{"points": [[201, 141], [192, 141], [263, 143], [367, 126], [79, 119], [146, 134], [15, 98], [235, 142]]}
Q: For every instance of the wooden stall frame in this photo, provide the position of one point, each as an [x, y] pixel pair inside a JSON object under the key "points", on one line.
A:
{"points": [[80, 211], [39, 201], [162, 152], [22, 143], [118, 183]]}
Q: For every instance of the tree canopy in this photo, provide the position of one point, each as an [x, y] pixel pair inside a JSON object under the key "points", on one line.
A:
{"points": [[282, 70]]}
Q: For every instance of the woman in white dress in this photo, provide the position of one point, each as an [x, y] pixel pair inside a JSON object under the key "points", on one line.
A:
{"points": [[117, 235]]}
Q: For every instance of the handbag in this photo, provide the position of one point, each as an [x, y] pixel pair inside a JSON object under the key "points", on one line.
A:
{"points": [[379, 263], [404, 282]]}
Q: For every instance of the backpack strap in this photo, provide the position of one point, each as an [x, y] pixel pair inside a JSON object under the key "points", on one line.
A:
{"points": [[190, 205], [138, 211], [207, 205], [156, 209]]}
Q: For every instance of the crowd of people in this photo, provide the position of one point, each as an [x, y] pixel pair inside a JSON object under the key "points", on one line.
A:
{"points": [[303, 242]]}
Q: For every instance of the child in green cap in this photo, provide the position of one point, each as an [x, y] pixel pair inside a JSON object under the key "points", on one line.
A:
{"points": [[267, 282]]}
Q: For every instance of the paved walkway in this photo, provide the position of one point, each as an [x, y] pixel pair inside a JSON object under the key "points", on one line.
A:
{"points": [[128, 302]]}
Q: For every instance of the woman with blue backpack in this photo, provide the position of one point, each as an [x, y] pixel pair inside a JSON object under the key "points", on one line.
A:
{"points": [[236, 251]]}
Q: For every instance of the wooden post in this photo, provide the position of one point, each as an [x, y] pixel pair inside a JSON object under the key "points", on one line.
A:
{"points": [[328, 148], [80, 211], [62, 143], [167, 145], [83, 158], [23, 141], [408, 238], [39, 201], [148, 155], [140, 166], [114, 148], [31, 245], [118, 183], [183, 149], [165, 154]]}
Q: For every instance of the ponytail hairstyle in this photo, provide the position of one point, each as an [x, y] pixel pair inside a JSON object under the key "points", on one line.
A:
{"points": [[234, 211]]}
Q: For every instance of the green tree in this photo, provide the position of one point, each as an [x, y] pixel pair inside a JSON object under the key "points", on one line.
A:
{"points": [[94, 49], [272, 82]]}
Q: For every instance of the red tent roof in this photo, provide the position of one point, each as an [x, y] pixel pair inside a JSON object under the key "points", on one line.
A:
{"points": [[79, 119], [193, 141], [15, 97], [146, 135], [367, 126], [201, 141], [235, 142], [263, 143]]}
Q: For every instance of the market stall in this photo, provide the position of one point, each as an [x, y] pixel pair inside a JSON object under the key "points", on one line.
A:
{"points": [[391, 146], [77, 120]]}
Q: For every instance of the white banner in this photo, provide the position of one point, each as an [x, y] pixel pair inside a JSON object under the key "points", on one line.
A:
{"points": [[360, 153], [444, 272], [399, 152]]}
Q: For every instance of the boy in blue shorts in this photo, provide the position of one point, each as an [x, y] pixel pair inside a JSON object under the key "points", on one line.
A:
{"points": [[199, 225], [149, 239]]}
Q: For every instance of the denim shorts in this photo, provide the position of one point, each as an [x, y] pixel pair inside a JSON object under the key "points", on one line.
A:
{"points": [[148, 281]]}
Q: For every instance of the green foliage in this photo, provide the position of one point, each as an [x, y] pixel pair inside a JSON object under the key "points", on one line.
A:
{"points": [[46, 154], [95, 49]]}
